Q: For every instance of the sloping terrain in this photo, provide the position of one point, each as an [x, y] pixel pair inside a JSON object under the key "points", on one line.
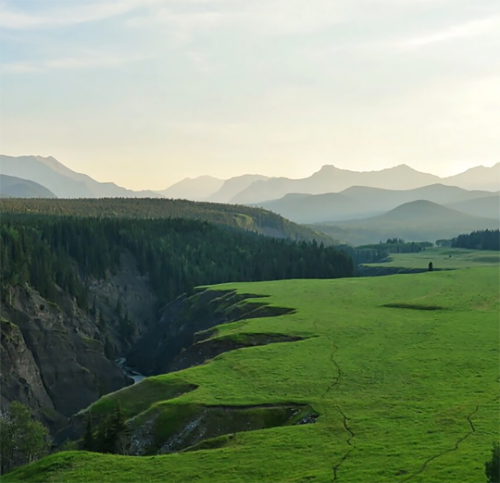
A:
{"points": [[362, 201], [401, 393], [195, 189], [333, 180], [233, 186], [489, 206], [13, 187], [57, 358], [303, 208], [416, 221], [233, 216], [441, 258], [77, 293], [478, 178], [330, 179], [62, 181]]}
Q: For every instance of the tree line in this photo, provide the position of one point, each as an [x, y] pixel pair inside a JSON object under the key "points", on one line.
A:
{"points": [[478, 240], [236, 216], [47, 252], [378, 251]]}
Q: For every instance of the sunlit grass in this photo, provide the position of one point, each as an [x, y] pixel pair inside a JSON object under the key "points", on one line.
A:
{"points": [[402, 393]]}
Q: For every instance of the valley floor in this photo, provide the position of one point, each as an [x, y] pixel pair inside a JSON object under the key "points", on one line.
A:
{"points": [[403, 372]]}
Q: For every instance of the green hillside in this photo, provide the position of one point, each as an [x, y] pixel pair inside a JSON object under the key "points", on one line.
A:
{"points": [[235, 216], [416, 221], [374, 387]]}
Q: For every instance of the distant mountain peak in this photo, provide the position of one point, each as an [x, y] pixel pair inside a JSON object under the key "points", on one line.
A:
{"points": [[329, 169], [61, 180], [403, 166], [420, 204]]}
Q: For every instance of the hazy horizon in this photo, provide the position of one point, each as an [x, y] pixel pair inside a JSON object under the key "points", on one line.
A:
{"points": [[145, 93]]}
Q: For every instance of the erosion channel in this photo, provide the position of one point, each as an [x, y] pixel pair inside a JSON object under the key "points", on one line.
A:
{"points": [[185, 336]]}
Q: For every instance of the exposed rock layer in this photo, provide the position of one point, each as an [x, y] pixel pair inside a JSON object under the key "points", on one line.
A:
{"points": [[56, 358]]}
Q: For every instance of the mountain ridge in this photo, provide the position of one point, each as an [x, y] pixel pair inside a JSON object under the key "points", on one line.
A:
{"points": [[14, 187], [194, 189], [362, 201], [247, 188], [62, 181], [418, 221], [330, 179]]}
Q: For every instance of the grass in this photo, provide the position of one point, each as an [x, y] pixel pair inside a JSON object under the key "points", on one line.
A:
{"points": [[442, 259], [403, 395]]}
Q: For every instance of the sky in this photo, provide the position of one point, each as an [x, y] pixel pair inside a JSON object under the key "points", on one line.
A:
{"points": [[147, 92]]}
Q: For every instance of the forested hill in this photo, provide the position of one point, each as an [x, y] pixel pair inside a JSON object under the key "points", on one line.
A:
{"points": [[78, 292], [243, 217], [176, 254]]}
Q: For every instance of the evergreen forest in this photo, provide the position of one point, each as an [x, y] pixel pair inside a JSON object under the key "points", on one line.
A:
{"points": [[478, 240], [178, 254], [235, 216]]}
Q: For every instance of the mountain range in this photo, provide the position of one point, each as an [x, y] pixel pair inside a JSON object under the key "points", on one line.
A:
{"points": [[361, 202], [62, 181], [419, 220], [13, 187], [193, 189], [329, 195], [330, 179]]}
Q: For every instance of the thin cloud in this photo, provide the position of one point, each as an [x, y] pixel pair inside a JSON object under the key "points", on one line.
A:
{"points": [[470, 29], [271, 17], [11, 18], [86, 61]]}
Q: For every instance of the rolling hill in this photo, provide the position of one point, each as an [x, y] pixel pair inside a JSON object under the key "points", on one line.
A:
{"points": [[415, 221], [303, 208], [233, 216], [13, 187], [362, 202], [62, 181]]}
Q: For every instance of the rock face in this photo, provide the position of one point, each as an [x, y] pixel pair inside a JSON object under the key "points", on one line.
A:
{"points": [[58, 359], [20, 375], [52, 358], [123, 304]]}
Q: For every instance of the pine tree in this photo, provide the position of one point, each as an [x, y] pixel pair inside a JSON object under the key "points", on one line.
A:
{"points": [[88, 438]]}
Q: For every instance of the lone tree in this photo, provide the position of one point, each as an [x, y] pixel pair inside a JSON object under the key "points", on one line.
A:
{"points": [[492, 467], [111, 435], [24, 440], [431, 267]]}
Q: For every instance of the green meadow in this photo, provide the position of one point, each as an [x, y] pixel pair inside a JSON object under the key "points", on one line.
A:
{"points": [[402, 370], [442, 259]]}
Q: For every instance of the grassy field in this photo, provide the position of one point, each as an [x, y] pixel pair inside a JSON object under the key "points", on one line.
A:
{"points": [[442, 258], [404, 394]]}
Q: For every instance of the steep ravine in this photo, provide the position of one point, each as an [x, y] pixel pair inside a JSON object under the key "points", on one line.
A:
{"points": [[53, 357], [56, 358], [185, 336], [182, 337], [59, 359]]}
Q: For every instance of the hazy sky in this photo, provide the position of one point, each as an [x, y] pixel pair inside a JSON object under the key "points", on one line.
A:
{"points": [[146, 92]]}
